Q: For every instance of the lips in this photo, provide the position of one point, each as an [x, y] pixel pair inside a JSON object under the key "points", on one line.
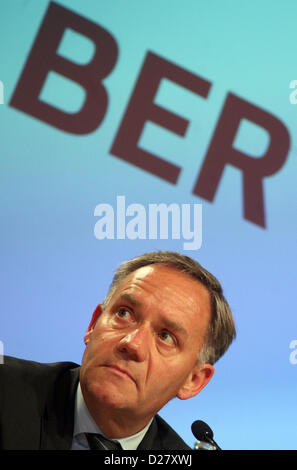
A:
{"points": [[121, 371]]}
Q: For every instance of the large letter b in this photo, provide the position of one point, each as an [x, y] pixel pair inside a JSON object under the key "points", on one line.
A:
{"points": [[43, 58]]}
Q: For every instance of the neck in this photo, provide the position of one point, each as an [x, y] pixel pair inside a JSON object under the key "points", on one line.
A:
{"points": [[117, 428], [118, 425], [114, 423]]}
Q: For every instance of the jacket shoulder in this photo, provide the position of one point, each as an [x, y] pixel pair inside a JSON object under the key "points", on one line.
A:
{"points": [[19, 365], [21, 379], [29, 372], [29, 392]]}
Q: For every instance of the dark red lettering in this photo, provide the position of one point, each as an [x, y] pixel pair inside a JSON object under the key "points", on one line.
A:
{"points": [[43, 58], [221, 153], [141, 109]]}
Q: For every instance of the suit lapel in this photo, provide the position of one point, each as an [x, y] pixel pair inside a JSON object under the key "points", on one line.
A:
{"points": [[58, 418], [161, 436], [150, 440]]}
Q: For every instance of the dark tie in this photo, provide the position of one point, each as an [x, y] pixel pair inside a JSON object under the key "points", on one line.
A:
{"points": [[98, 442]]}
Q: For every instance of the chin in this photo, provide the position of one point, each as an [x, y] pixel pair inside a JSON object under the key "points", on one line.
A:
{"points": [[106, 395]]}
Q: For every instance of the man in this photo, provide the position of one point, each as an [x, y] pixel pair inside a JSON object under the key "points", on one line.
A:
{"points": [[162, 326]]}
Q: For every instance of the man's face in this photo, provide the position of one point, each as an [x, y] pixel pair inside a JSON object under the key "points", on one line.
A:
{"points": [[142, 350]]}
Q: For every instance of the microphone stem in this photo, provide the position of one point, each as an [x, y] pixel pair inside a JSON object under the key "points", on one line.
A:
{"points": [[212, 442]]}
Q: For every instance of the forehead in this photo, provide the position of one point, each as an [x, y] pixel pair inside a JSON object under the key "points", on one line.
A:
{"points": [[167, 289]]}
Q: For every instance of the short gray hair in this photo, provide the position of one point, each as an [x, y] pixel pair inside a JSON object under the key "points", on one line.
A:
{"points": [[221, 330]]}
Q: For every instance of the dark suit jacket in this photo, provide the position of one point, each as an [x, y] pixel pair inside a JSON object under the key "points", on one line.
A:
{"points": [[37, 409]]}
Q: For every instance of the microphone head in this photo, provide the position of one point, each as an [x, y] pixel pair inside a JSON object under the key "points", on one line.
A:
{"points": [[201, 431]]}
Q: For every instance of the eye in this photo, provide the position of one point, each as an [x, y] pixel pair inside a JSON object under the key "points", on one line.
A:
{"points": [[123, 313], [167, 338]]}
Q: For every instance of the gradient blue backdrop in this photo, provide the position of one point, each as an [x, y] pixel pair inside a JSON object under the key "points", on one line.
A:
{"points": [[53, 269]]}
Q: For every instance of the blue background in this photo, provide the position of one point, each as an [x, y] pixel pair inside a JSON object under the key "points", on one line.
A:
{"points": [[53, 269]]}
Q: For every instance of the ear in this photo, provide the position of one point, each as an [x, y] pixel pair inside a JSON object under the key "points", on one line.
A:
{"points": [[196, 381], [96, 314]]}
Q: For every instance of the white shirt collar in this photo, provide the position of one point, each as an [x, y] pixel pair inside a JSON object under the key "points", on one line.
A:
{"points": [[83, 422]]}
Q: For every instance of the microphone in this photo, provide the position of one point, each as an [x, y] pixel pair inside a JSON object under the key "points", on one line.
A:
{"points": [[204, 434]]}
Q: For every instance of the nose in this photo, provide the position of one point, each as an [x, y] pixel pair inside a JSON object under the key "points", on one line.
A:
{"points": [[135, 345]]}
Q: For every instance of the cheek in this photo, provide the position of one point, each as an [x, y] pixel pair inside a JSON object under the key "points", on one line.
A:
{"points": [[174, 373], [160, 373], [101, 342]]}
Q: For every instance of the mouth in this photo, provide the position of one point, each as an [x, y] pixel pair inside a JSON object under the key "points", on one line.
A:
{"points": [[120, 371]]}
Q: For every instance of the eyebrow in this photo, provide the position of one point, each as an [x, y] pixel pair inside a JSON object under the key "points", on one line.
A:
{"points": [[174, 326], [167, 322], [129, 298]]}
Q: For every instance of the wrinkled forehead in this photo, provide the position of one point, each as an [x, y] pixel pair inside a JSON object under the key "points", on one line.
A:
{"points": [[159, 276], [166, 284]]}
